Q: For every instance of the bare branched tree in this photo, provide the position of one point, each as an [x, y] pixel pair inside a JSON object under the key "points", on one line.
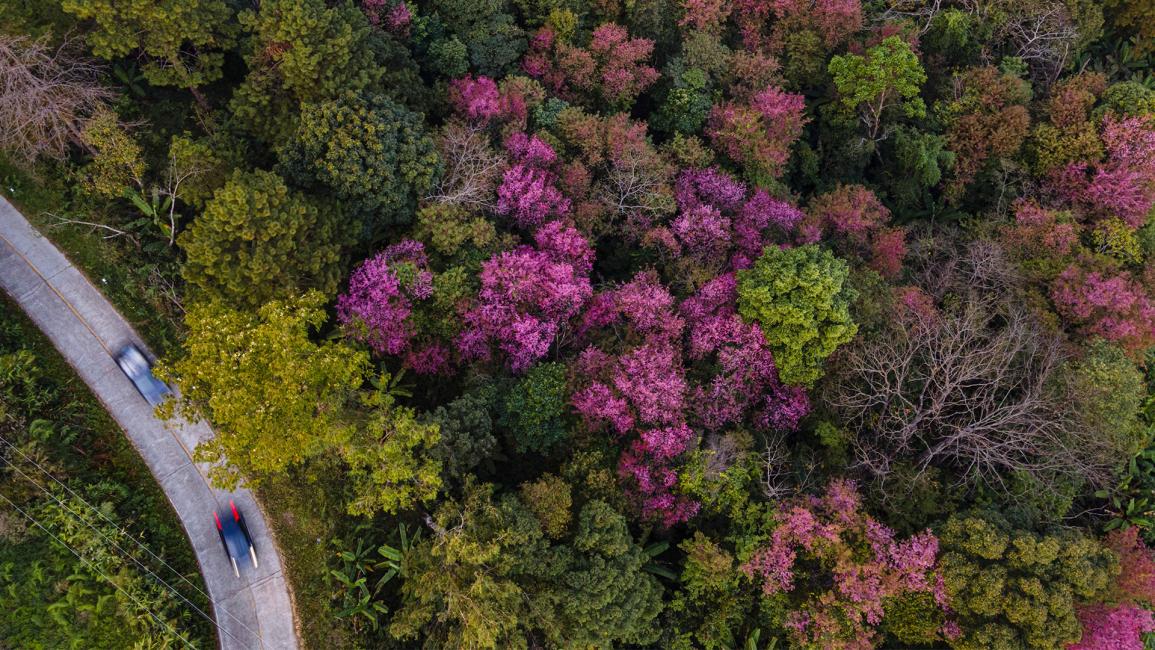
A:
{"points": [[637, 183], [920, 12], [977, 388], [472, 167], [46, 95], [1042, 32]]}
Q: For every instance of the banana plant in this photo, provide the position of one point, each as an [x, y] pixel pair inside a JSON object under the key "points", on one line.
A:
{"points": [[158, 211], [653, 566], [362, 576]]}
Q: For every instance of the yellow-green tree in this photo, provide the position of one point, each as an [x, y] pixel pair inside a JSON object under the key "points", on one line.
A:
{"points": [[183, 40], [275, 396], [256, 241], [801, 299], [1014, 589]]}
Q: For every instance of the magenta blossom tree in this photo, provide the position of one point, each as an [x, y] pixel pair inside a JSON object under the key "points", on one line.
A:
{"points": [[719, 225], [850, 565], [759, 134], [377, 306], [1122, 185], [611, 71], [527, 298], [746, 384], [1118, 627], [528, 193], [1115, 307]]}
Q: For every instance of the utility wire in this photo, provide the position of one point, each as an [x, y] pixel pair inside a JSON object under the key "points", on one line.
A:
{"points": [[103, 516], [101, 573], [122, 550]]}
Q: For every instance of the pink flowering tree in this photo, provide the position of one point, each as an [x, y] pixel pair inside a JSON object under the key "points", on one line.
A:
{"points": [[481, 102], [1121, 623], [378, 306], [759, 134], [856, 221], [528, 193], [1118, 627], [527, 298], [720, 226], [393, 16], [1112, 306], [1122, 185], [634, 384], [745, 386], [841, 566], [833, 20], [611, 71]]}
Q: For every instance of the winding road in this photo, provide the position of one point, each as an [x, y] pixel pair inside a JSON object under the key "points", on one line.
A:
{"points": [[253, 611]]}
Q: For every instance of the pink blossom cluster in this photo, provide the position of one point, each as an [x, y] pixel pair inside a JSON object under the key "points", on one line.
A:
{"points": [[377, 306], [480, 101], [830, 535], [1114, 307], [746, 380], [395, 18], [707, 16], [833, 20], [1123, 185], [527, 297], [612, 69], [1136, 581], [718, 224], [853, 217], [635, 380], [1039, 233], [642, 389], [1114, 627], [647, 463], [759, 134], [528, 193]]}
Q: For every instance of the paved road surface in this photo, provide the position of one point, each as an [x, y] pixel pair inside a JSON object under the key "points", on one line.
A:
{"points": [[253, 611]]}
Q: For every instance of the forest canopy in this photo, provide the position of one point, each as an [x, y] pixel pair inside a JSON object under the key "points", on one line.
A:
{"points": [[661, 323]]}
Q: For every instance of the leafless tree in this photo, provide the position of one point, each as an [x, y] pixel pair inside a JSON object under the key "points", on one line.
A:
{"points": [[637, 182], [46, 95], [472, 167], [920, 12], [1042, 32], [977, 388]]}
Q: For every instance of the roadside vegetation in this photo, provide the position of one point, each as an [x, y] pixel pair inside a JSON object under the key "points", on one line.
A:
{"points": [[662, 323], [67, 467]]}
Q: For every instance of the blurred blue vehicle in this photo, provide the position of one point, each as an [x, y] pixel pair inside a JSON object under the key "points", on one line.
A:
{"points": [[235, 538], [134, 364]]}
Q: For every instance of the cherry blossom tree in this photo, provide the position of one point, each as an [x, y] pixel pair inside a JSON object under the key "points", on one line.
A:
{"points": [[860, 562]]}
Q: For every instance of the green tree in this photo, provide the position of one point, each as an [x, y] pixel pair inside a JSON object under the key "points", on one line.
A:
{"points": [[275, 396], [801, 299], [603, 596], [489, 578], [257, 241], [535, 408], [465, 575], [550, 498], [1013, 589], [466, 425], [391, 467], [374, 154], [183, 41], [301, 51], [888, 76], [711, 607]]}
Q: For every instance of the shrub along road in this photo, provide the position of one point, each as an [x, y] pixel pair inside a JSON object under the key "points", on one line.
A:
{"points": [[254, 611]]}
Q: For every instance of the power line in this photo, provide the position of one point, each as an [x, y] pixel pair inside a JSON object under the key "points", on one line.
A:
{"points": [[103, 516], [108, 539], [121, 549], [100, 573]]}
